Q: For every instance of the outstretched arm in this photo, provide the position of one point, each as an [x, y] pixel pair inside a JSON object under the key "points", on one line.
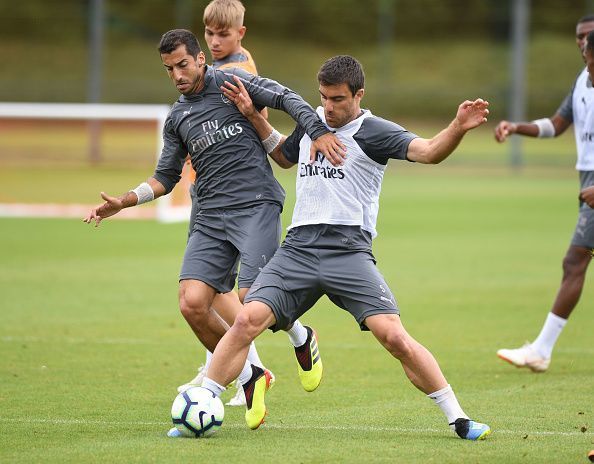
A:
{"points": [[112, 205], [470, 114], [547, 127]]}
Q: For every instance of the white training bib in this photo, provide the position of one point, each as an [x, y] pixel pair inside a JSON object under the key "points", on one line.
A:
{"points": [[342, 195], [583, 120]]}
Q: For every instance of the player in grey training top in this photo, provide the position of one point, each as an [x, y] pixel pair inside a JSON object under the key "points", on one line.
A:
{"points": [[233, 170], [328, 247], [223, 33], [239, 198], [577, 108]]}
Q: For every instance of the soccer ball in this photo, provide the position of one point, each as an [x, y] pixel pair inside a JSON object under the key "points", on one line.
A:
{"points": [[197, 412]]}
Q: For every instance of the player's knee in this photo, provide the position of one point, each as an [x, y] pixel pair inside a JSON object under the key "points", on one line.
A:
{"points": [[398, 343], [575, 264], [244, 326], [192, 304], [247, 326]]}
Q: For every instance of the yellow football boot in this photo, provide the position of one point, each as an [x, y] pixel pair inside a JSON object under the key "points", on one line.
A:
{"points": [[255, 390], [309, 362]]}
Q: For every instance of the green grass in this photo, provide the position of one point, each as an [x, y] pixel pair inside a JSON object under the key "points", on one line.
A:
{"points": [[50, 164], [92, 345]]}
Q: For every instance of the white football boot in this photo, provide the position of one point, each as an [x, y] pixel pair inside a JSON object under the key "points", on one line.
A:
{"points": [[239, 398], [195, 382], [526, 356]]}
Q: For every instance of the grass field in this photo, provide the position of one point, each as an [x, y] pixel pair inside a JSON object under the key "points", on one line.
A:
{"points": [[47, 161], [92, 345]]}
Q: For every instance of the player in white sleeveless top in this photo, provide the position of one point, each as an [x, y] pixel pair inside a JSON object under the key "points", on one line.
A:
{"points": [[327, 250], [576, 108]]}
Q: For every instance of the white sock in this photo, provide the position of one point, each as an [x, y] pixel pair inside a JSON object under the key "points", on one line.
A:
{"points": [[297, 334], [213, 386], [246, 373], [253, 356], [208, 358], [545, 342], [448, 403]]}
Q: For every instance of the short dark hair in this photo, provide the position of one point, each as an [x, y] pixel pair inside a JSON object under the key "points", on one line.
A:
{"points": [[590, 43], [342, 69], [176, 37], [586, 19]]}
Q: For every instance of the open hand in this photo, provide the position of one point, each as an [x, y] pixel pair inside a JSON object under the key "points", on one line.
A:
{"points": [[330, 146], [472, 114], [111, 206]]}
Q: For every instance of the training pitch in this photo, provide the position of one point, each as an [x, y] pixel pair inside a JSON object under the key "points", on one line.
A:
{"points": [[92, 345]]}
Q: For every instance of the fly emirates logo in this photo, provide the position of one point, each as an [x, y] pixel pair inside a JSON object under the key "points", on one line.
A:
{"points": [[318, 169], [214, 134]]}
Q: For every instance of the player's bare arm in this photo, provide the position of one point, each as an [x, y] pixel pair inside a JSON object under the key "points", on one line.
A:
{"points": [[530, 129], [470, 114], [114, 205], [239, 96]]}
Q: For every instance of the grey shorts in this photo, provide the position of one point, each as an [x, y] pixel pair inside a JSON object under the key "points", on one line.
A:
{"points": [[223, 238], [583, 235], [323, 260]]}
